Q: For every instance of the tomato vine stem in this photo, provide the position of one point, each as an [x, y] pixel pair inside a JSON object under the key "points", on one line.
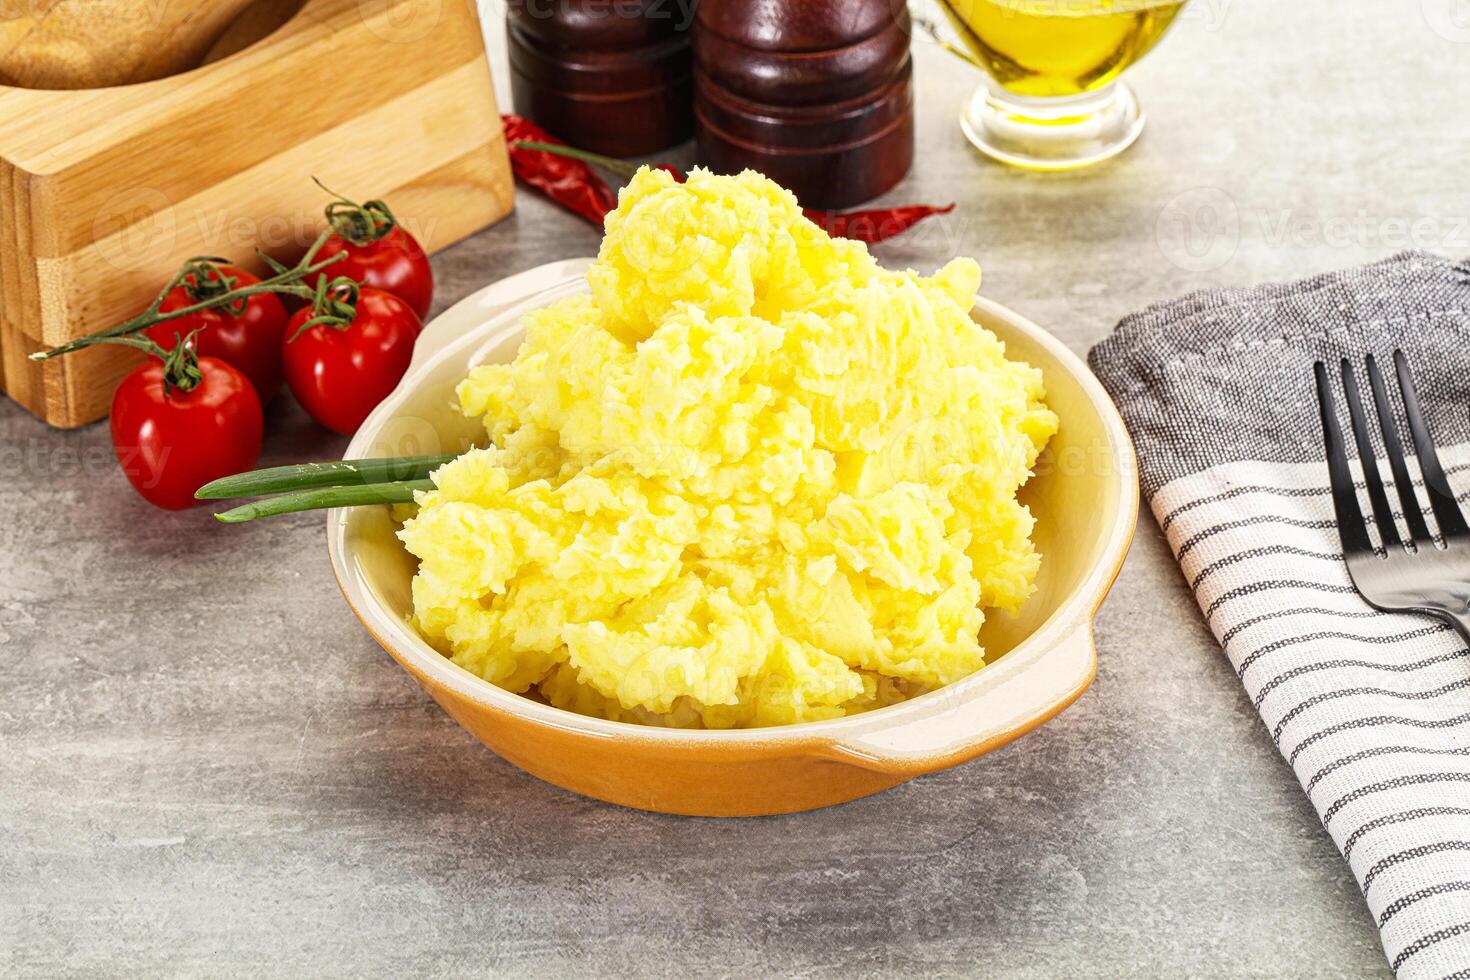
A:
{"points": [[360, 224], [334, 304], [622, 168], [286, 280], [180, 365]]}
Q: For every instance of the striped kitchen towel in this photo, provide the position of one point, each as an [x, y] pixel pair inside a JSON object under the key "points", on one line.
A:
{"points": [[1372, 710]]}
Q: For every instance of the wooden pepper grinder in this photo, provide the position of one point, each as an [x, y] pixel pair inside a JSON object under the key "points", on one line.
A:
{"points": [[610, 77], [816, 95]]}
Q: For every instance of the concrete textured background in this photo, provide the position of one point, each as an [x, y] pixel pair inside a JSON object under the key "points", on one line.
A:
{"points": [[207, 767]]}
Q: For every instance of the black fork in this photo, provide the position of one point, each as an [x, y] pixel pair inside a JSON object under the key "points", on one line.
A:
{"points": [[1413, 574]]}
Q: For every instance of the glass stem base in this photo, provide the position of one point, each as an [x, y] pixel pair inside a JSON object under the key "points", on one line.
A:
{"points": [[1060, 133]]}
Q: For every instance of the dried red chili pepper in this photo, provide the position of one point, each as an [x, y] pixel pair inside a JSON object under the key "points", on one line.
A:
{"points": [[529, 144], [874, 225], [566, 180]]}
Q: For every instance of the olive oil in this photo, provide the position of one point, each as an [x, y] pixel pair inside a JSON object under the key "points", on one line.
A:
{"points": [[1048, 48]]}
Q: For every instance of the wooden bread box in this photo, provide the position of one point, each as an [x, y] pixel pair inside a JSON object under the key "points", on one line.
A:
{"points": [[105, 191]]}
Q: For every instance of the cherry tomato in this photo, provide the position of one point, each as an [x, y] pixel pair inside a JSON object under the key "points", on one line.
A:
{"points": [[339, 371], [171, 441], [250, 341], [394, 263]]}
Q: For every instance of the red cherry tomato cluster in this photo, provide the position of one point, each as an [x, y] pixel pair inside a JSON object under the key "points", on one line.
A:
{"points": [[247, 334], [380, 254], [346, 352], [182, 420], [193, 414]]}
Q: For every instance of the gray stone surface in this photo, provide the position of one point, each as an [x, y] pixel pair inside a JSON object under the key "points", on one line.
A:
{"points": [[207, 767]]}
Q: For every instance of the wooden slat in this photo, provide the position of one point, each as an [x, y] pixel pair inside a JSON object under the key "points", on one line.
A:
{"points": [[481, 176], [18, 297]]}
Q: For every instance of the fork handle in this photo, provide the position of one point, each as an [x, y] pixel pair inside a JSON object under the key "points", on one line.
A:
{"points": [[1459, 619]]}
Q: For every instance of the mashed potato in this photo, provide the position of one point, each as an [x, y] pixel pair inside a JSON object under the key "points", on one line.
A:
{"points": [[750, 479]]}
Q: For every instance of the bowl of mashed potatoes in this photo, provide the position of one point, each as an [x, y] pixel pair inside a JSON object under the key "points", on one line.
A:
{"points": [[743, 522]]}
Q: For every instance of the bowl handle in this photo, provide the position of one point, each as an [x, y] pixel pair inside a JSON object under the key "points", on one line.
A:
{"points": [[1029, 690]]}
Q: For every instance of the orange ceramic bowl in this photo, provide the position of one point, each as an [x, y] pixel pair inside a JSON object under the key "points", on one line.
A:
{"points": [[1084, 496]]}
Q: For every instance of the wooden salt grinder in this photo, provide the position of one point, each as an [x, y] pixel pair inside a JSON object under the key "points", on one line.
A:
{"points": [[611, 77], [816, 95]]}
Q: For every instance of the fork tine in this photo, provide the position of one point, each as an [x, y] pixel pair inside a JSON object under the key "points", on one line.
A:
{"points": [[1413, 513], [1382, 512], [1441, 494], [1350, 523]]}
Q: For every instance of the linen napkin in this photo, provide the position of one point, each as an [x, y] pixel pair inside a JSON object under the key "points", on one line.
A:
{"points": [[1371, 710]]}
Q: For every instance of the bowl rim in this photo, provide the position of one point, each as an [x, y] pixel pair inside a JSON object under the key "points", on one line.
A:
{"points": [[415, 654]]}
